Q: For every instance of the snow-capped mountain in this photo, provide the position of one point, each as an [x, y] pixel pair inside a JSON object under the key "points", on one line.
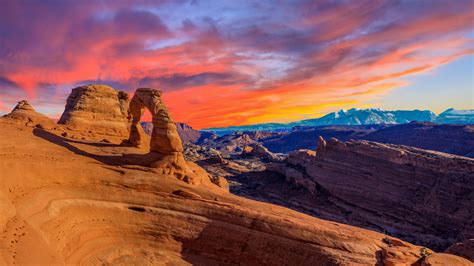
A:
{"points": [[371, 116], [368, 117], [453, 116]]}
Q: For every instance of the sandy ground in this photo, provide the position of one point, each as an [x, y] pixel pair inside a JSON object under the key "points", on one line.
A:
{"points": [[76, 202]]}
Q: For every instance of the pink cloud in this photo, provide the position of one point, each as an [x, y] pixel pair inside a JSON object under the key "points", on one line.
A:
{"points": [[241, 68]]}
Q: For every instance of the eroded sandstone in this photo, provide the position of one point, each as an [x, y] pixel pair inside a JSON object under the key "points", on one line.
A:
{"points": [[82, 208], [97, 111], [25, 114], [421, 196], [165, 143]]}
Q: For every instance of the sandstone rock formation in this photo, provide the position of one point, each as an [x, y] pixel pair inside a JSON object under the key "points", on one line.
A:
{"points": [[420, 196], [165, 142], [229, 144], [25, 114], [187, 134], [69, 203], [258, 150], [164, 137], [429, 136], [98, 110]]}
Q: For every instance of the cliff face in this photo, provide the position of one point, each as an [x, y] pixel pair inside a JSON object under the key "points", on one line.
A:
{"points": [[417, 195], [454, 139], [97, 109]]}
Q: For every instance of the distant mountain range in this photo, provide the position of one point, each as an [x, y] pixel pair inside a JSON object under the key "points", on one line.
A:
{"points": [[449, 138], [372, 116]]}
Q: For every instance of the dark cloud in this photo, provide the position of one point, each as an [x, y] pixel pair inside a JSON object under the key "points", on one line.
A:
{"points": [[181, 81], [6, 83]]}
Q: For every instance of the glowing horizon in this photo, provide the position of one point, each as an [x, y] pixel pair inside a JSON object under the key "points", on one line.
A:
{"points": [[226, 64]]}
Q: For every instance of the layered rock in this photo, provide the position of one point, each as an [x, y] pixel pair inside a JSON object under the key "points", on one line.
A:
{"points": [[454, 139], [98, 110], [25, 114], [420, 196]]}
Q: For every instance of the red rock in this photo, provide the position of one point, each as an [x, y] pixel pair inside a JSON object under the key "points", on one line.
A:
{"points": [[441, 259], [97, 110], [421, 196], [25, 114]]}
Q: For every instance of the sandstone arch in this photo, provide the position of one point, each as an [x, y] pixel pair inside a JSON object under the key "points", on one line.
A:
{"points": [[165, 143], [164, 138]]}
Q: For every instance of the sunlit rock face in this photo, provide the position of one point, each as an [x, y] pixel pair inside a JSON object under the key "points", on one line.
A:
{"points": [[97, 109], [418, 195], [165, 143], [25, 114]]}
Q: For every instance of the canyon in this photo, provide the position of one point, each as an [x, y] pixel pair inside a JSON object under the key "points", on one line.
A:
{"points": [[79, 192]]}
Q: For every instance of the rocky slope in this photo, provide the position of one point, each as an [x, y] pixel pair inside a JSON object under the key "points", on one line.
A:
{"points": [[303, 137], [25, 114], [420, 196], [82, 202], [454, 139]]}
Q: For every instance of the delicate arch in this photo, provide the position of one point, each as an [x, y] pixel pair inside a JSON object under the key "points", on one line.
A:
{"points": [[164, 137]]}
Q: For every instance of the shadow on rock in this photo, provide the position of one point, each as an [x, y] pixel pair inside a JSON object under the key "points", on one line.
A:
{"points": [[114, 160]]}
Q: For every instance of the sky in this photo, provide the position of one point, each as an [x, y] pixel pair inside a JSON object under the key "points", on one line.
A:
{"points": [[224, 62]]}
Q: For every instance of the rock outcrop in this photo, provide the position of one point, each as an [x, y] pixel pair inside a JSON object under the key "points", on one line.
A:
{"points": [[420, 196], [229, 144], [25, 114], [185, 132], [258, 150], [453, 139], [463, 249], [98, 110], [165, 143]]}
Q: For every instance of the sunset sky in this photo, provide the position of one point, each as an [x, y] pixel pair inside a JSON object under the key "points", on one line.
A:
{"points": [[226, 62]]}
